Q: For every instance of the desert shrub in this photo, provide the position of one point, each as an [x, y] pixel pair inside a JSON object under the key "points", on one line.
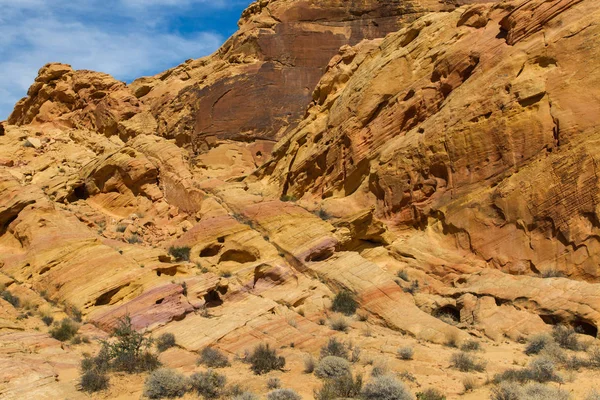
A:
{"points": [[309, 365], [334, 348], [406, 353], [48, 320], [565, 337], [165, 342], [594, 357], [506, 391], [552, 273], [431, 394], [339, 324], [65, 330], [134, 239], [413, 288], [452, 339], [386, 388], [180, 253], [537, 343], [469, 383], [537, 391], [209, 384], [93, 381], [355, 355], [402, 274], [165, 383], [543, 370], [342, 387], [129, 350], [263, 359], [11, 298], [273, 383], [76, 339], [344, 303], [593, 395], [380, 369], [540, 369], [121, 228], [283, 394], [100, 363], [332, 367], [466, 363], [471, 345]]}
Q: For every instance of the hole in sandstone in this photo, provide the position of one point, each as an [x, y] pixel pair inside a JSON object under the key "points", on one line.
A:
{"points": [[212, 299], [211, 250], [585, 328], [550, 319], [159, 301], [503, 34], [240, 256], [321, 255], [167, 271], [259, 154], [44, 270], [221, 239], [449, 314], [531, 100], [106, 298]]}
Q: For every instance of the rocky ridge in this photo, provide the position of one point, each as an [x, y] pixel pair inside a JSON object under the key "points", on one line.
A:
{"points": [[444, 173]]}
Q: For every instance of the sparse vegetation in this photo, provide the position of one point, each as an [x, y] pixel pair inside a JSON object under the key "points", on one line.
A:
{"points": [[345, 303], [209, 384], [245, 396], [342, 387], [380, 369], [537, 343], [65, 330], [339, 324], [165, 342], [593, 395], [273, 383], [406, 353], [465, 362], [165, 383], [452, 339], [48, 320], [283, 394], [540, 370], [9, 297], [402, 274], [180, 253], [264, 359], [332, 367], [334, 348], [386, 388], [566, 337], [413, 288], [134, 239], [469, 383], [470, 345], [552, 273], [93, 381], [309, 364], [121, 228], [213, 358], [431, 394], [532, 391]]}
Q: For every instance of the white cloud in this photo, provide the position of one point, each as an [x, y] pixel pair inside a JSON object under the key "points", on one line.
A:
{"points": [[125, 38]]}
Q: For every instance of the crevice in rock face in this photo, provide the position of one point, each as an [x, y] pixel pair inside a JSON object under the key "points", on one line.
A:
{"points": [[167, 271], [585, 328], [107, 297], [211, 250], [449, 314], [550, 319], [213, 299], [531, 100], [320, 255]]}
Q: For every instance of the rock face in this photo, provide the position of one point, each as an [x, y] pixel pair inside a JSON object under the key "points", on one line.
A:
{"points": [[480, 134], [442, 171]]}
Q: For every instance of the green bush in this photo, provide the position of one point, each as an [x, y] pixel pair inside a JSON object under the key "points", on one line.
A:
{"points": [[341, 387], [332, 367], [65, 330], [283, 394], [180, 253], [209, 384], [48, 320], [273, 383], [93, 381], [165, 342], [263, 360], [537, 343], [431, 394], [386, 388], [344, 303], [213, 358], [334, 348], [129, 350], [466, 363], [165, 383], [309, 365]]}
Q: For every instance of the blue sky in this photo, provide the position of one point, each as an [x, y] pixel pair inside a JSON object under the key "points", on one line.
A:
{"points": [[125, 38]]}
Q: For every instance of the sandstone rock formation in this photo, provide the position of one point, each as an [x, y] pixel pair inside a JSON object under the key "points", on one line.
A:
{"points": [[443, 173]]}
